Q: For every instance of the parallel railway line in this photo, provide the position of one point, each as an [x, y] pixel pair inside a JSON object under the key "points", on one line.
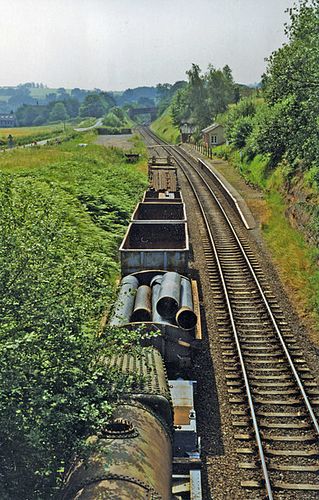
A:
{"points": [[273, 394]]}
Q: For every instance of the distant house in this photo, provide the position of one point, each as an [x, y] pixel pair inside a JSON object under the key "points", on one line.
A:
{"points": [[186, 130], [213, 135], [8, 121]]}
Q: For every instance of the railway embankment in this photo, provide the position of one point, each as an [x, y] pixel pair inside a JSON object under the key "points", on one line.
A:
{"points": [[285, 212], [164, 128]]}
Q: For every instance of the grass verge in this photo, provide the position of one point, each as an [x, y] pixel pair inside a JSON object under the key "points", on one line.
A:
{"points": [[163, 126], [296, 260]]}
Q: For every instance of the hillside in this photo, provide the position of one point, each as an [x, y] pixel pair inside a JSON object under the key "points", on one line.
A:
{"points": [[163, 126]]}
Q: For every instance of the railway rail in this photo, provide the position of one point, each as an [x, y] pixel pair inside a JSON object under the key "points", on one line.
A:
{"points": [[273, 395]]}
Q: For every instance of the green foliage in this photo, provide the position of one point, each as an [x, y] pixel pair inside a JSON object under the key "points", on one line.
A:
{"points": [[87, 122], [163, 126], [117, 118], [291, 87], [286, 125], [312, 178], [204, 96], [60, 228], [27, 135], [240, 131], [58, 112], [165, 94], [31, 114], [111, 120], [297, 260], [96, 104]]}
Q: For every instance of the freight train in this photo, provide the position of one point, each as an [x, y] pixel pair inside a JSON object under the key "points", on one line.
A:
{"points": [[151, 448]]}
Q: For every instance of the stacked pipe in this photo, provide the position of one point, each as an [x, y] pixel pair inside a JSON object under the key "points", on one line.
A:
{"points": [[168, 299]]}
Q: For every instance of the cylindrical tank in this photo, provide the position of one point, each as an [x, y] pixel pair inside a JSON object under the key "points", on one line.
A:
{"points": [[156, 286], [142, 310], [169, 295], [131, 459], [124, 305], [185, 317]]}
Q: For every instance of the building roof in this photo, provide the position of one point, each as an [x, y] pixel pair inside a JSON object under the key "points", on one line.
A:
{"points": [[211, 127]]}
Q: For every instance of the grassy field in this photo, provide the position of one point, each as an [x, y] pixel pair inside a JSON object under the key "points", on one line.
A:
{"points": [[25, 135], [164, 128], [26, 132], [103, 187], [39, 93]]}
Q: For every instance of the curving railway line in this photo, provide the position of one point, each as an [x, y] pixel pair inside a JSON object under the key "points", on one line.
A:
{"points": [[273, 395]]}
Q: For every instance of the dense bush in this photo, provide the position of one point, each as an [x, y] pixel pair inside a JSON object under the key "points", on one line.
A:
{"points": [[60, 227], [117, 118], [286, 125], [240, 131]]}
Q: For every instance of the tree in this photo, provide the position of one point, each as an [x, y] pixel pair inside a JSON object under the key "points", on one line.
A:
{"points": [[72, 106], [291, 88], [204, 96], [78, 94], [58, 112], [220, 90], [93, 105]]}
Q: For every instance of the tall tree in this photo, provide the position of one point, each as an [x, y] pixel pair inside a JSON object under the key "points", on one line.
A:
{"points": [[291, 88], [58, 112]]}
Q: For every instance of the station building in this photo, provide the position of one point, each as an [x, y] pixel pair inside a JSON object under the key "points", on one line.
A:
{"points": [[213, 135]]}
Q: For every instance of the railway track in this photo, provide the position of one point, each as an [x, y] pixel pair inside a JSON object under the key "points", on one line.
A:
{"points": [[273, 395]]}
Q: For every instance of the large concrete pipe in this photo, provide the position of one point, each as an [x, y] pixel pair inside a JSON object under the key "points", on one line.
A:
{"points": [[185, 317], [142, 308], [156, 286], [124, 305], [169, 296]]}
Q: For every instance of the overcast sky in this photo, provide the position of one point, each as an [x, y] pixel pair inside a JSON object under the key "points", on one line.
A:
{"points": [[116, 44]]}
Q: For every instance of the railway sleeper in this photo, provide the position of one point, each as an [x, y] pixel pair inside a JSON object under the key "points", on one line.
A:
{"points": [[294, 468], [248, 465], [280, 485], [283, 392], [288, 383], [278, 402], [292, 453], [243, 437], [282, 377], [281, 414], [292, 426], [252, 484], [292, 439]]}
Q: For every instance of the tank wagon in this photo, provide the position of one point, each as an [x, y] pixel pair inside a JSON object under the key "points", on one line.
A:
{"points": [[151, 448], [136, 444]]}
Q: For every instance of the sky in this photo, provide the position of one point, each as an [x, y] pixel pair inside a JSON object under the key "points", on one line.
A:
{"points": [[117, 44]]}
